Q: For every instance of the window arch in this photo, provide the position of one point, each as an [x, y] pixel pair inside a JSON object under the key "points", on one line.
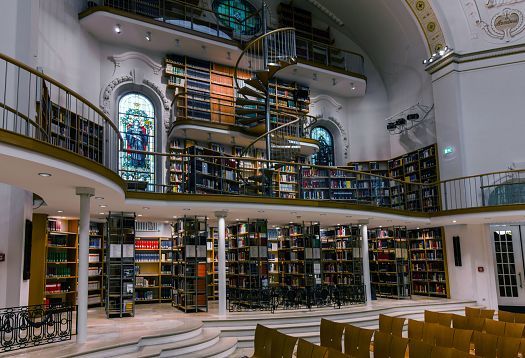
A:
{"points": [[136, 115], [325, 155]]}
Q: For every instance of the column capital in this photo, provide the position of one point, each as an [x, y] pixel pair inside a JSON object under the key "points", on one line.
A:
{"points": [[221, 214], [84, 191]]}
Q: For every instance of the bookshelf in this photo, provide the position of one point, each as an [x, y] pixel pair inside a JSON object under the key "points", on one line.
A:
{"points": [[291, 257], [312, 255], [428, 262], [153, 264], [248, 263], [96, 264], [189, 292], [120, 265], [274, 238], [70, 130], [341, 256], [286, 182], [212, 264], [301, 20], [389, 262], [61, 269], [177, 166]]}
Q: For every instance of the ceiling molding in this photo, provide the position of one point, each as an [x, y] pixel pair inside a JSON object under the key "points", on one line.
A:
{"points": [[428, 21]]}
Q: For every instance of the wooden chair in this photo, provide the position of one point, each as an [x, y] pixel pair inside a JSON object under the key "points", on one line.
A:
{"points": [[445, 336], [508, 347], [418, 349], [487, 314], [283, 345], [456, 353], [415, 330], [441, 352], [505, 316], [472, 312], [430, 333], [440, 318], [459, 322], [333, 353], [389, 346], [332, 334], [306, 349], [391, 325], [462, 339], [476, 323], [357, 341], [519, 318], [485, 344], [522, 347], [496, 328], [263, 342], [515, 330]]}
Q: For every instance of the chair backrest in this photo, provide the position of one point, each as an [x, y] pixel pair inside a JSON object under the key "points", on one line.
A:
{"points": [[430, 332], [456, 353], [334, 353], [357, 341], [263, 341], [441, 352], [519, 317], [382, 343], [485, 344], [391, 325], [431, 317], [283, 345], [487, 314], [505, 316], [494, 327], [460, 322], [415, 329], [445, 336], [515, 330], [398, 347], [332, 334], [508, 346], [522, 347], [462, 339], [475, 323], [306, 349], [472, 312], [418, 349], [440, 318]]}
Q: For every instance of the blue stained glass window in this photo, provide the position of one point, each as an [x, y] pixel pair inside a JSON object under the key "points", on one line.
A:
{"points": [[137, 127], [238, 15], [325, 155]]}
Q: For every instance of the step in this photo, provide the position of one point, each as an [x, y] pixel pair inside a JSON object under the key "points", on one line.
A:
{"points": [[208, 338], [248, 102], [245, 111], [224, 348], [248, 91], [255, 83]]}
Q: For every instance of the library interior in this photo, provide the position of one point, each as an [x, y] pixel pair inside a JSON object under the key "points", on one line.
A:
{"points": [[262, 178]]}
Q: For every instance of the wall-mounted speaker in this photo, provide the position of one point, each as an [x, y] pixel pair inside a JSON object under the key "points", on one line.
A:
{"points": [[457, 250]]}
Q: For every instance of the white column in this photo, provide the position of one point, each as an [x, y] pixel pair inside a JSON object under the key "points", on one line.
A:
{"points": [[366, 262], [83, 262], [221, 215]]}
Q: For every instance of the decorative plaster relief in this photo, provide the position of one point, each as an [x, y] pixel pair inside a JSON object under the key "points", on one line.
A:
{"points": [[428, 21], [118, 59], [323, 97], [487, 19], [107, 93]]}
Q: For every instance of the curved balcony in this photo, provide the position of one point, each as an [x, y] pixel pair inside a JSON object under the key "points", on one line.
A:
{"points": [[38, 114]]}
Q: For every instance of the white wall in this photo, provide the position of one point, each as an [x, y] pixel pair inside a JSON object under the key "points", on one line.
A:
{"points": [[15, 208], [476, 251]]}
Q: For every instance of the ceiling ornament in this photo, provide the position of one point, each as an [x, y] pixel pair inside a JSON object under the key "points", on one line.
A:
{"points": [[131, 55], [323, 97], [428, 21], [494, 20]]}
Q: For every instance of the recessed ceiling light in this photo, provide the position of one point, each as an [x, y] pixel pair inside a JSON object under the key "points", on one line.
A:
{"points": [[454, 221], [338, 224], [166, 222], [60, 211], [148, 36], [316, 223], [117, 29], [417, 228], [101, 213], [145, 208], [174, 216], [380, 226], [291, 222], [139, 215], [45, 175], [103, 206], [237, 219], [99, 197]]}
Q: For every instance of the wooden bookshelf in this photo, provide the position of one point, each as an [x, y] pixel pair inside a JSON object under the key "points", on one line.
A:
{"points": [[248, 262], [286, 182], [274, 238], [301, 19], [312, 255], [212, 264], [153, 265], [96, 264], [61, 270], [428, 262], [190, 293], [389, 262], [292, 265], [120, 265]]}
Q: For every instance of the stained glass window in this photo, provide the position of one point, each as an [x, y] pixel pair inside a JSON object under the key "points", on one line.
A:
{"points": [[238, 15], [325, 155], [137, 127]]}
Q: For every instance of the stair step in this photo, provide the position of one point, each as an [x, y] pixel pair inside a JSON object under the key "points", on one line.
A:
{"points": [[248, 91], [265, 75], [208, 338], [249, 120], [245, 111], [224, 348], [255, 83], [248, 102]]}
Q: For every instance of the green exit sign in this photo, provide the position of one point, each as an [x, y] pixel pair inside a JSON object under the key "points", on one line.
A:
{"points": [[448, 150]]}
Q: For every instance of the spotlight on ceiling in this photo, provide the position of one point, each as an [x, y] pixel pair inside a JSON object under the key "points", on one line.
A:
{"points": [[440, 54], [118, 29], [45, 175], [148, 36]]}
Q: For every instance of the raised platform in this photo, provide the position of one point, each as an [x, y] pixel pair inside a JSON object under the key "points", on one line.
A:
{"points": [[161, 331]]}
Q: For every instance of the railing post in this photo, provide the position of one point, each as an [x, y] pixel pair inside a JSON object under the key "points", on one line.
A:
{"points": [[482, 191], [445, 195]]}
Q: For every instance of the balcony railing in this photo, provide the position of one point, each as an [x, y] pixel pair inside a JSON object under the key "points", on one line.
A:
{"points": [[39, 107]]}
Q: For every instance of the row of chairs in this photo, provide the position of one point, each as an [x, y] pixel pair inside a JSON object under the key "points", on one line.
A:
{"points": [[504, 316]]}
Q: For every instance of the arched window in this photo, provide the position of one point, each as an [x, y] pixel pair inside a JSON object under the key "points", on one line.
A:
{"points": [[136, 116], [325, 155], [238, 15]]}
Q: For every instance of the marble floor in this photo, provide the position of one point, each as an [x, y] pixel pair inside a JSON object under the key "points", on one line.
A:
{"points": [[153, 319]]}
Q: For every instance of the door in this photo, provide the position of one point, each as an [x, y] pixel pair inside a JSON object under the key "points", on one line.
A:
{"points": [[508, 251]]}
